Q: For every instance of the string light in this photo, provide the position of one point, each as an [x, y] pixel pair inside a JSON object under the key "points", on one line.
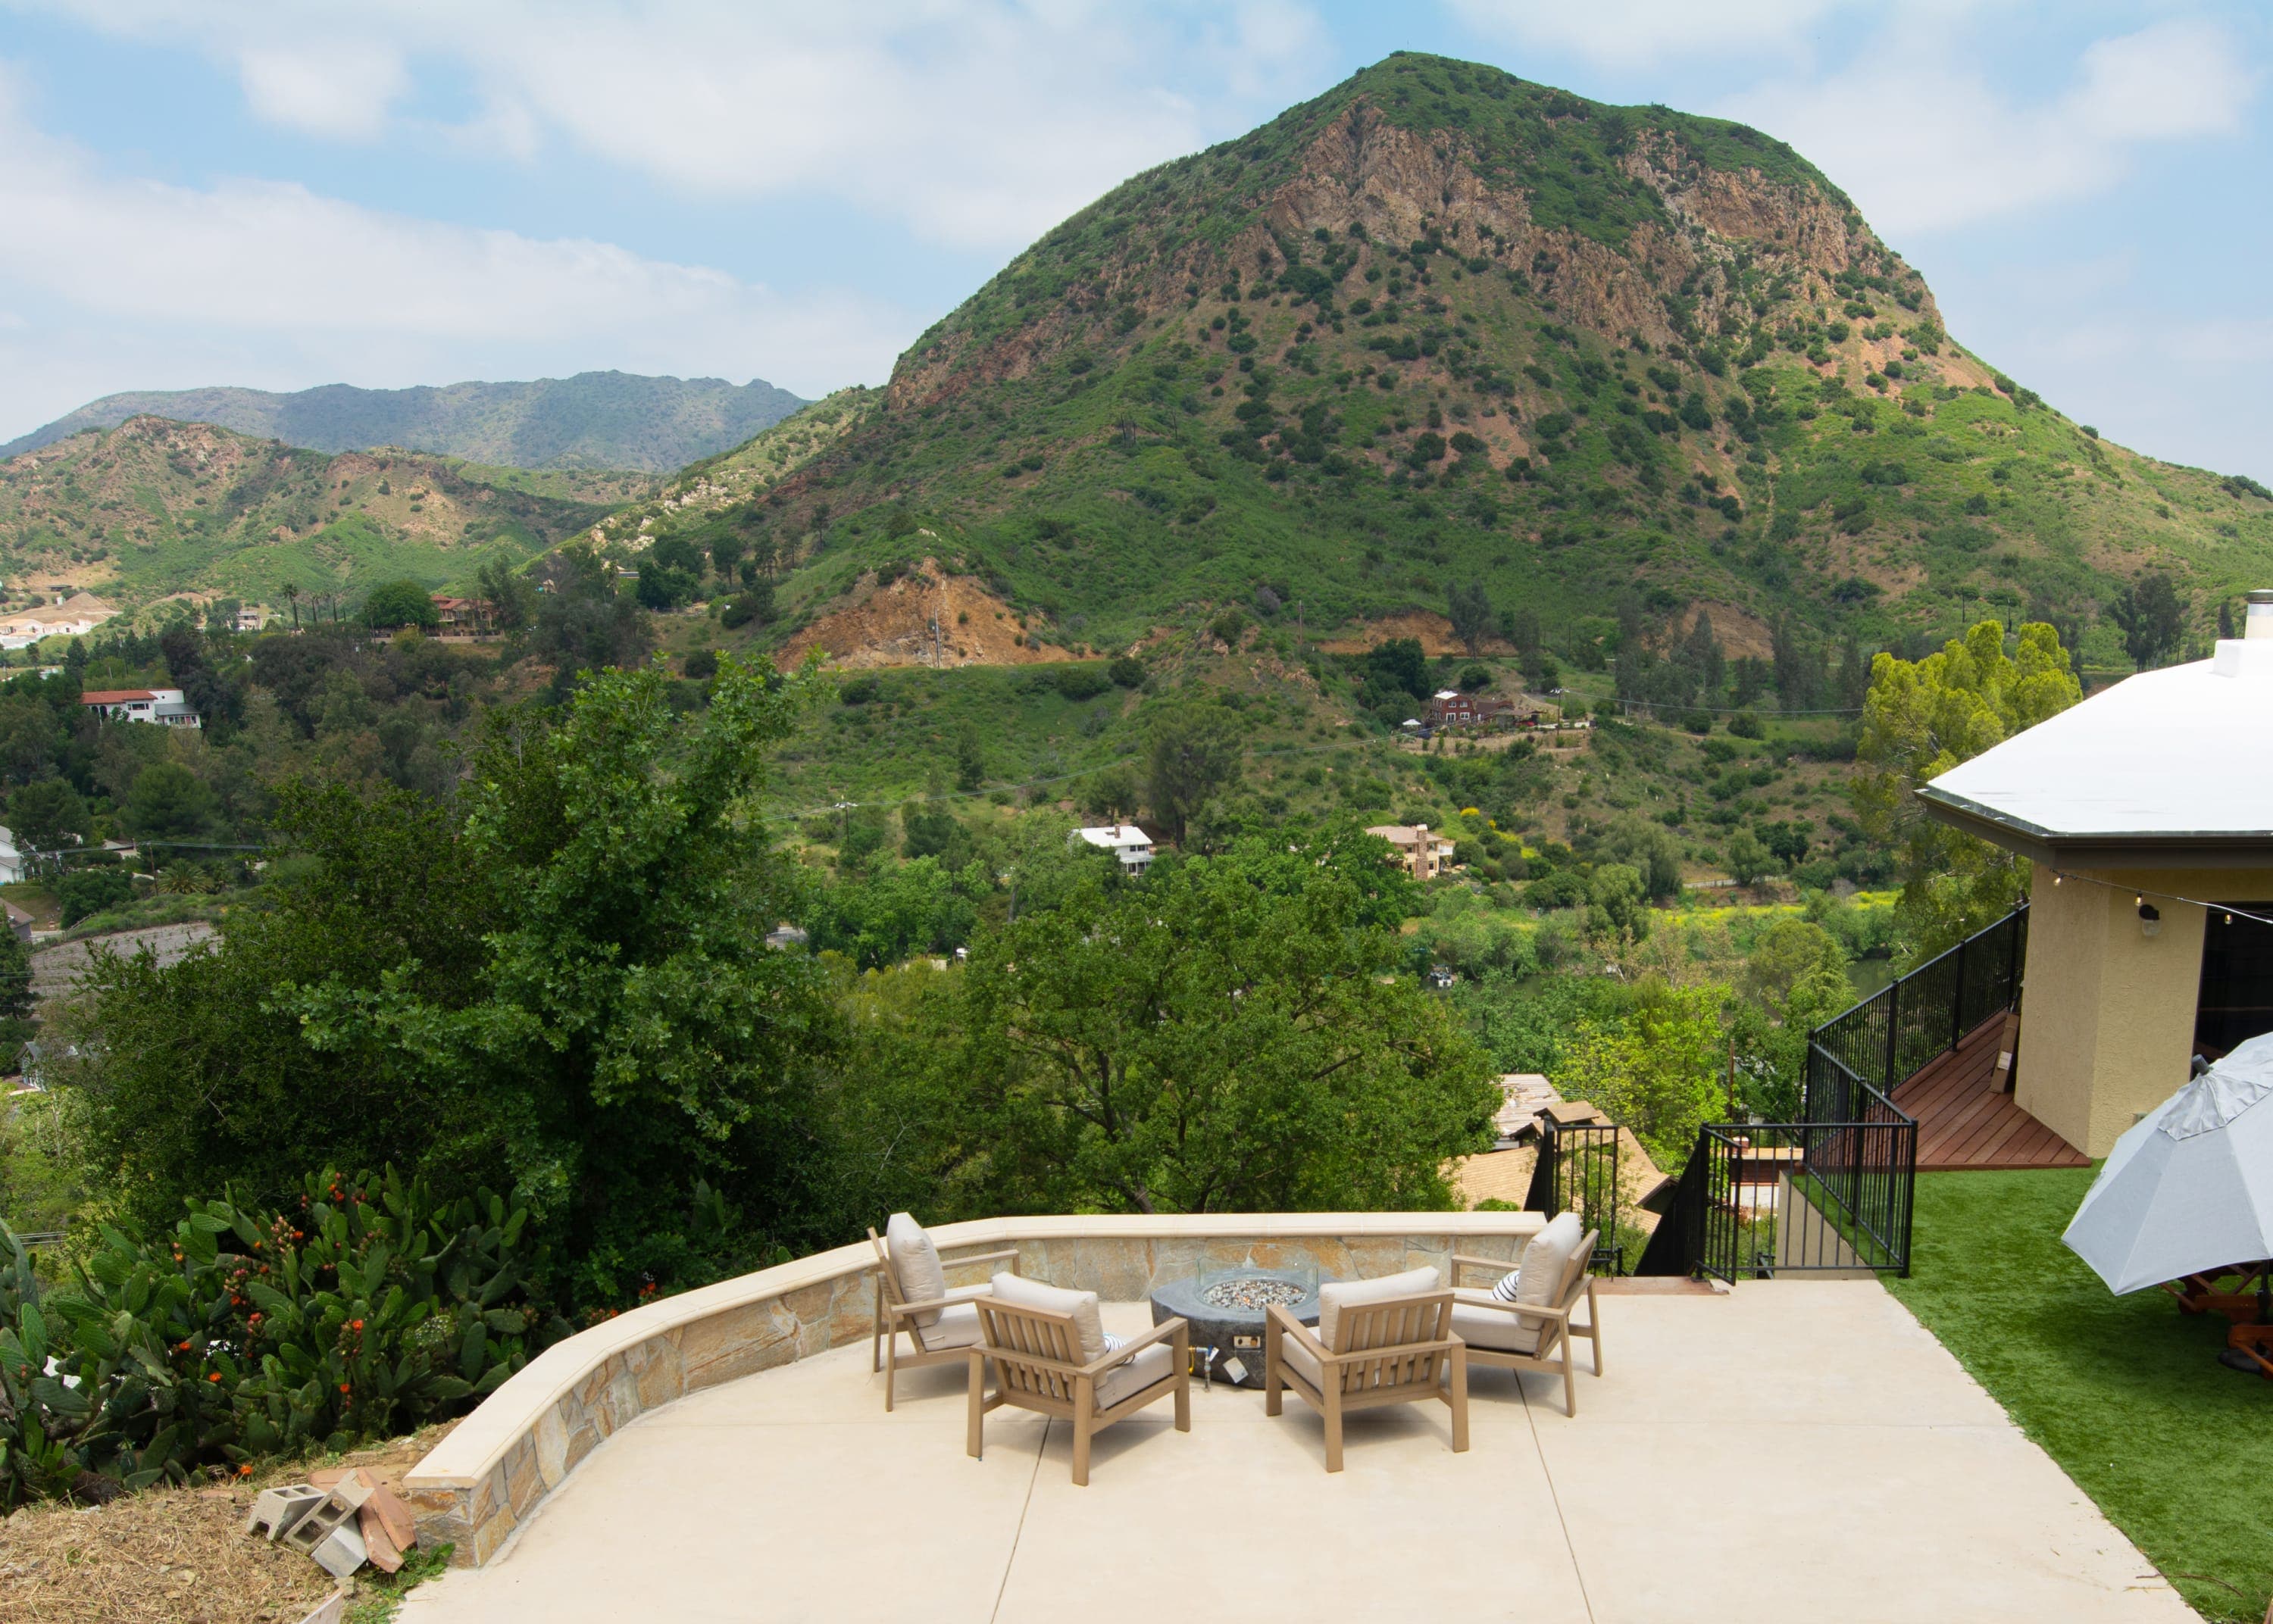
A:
{"points": [[2138, 898]]}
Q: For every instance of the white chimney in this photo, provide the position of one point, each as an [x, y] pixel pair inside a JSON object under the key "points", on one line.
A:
{"points": [[2250, 654]]}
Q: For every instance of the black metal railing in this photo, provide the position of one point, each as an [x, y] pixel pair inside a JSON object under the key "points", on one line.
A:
{"points": [[1579, 1170], [1897, 1032]]}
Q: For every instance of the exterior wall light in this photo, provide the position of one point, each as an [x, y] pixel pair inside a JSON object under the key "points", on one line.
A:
{"points": [[2150, 918]]}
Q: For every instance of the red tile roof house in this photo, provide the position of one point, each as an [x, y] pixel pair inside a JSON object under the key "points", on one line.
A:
{"points": [[463, 617], [167, 706]]}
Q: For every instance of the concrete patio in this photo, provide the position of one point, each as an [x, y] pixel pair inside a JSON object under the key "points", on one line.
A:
{"points": [[1789, 1451]]}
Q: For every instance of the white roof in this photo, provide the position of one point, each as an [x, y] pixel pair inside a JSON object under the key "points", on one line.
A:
{"points": [[1116, 836], [2158, 758], [1448, 694]]}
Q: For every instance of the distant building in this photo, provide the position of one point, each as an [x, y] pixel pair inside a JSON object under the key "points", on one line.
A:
{"points": [[252, 618], [1125, 841], [1421, 852], [786, 936], [75, 615], [464, 616], [1449, 709], [167, 706], [12, 870]]}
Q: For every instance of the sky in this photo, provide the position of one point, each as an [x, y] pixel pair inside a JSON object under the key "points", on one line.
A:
{"points": [[280, 193]]}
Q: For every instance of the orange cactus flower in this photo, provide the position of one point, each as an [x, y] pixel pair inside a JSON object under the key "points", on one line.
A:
{"points": [[343, 1387], [213, 1376], [358, 1324], [245, 1470]]}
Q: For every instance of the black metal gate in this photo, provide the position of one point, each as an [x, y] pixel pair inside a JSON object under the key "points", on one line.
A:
{"points": [[1579, 1170]]}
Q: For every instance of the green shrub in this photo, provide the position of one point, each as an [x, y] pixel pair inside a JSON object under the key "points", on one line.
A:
{"points": [[1081, 682], [1128, 671], [85, 891], [701, 665], [859, 691], [367, 1311]]}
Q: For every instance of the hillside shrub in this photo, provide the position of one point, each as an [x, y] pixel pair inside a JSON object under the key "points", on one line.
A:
{"points": [[365, 1311], [86, 891], [1128, 671], [1081, 682]]}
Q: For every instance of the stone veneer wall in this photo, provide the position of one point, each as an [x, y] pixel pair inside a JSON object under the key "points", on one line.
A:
{"points": [[478, 1485]]}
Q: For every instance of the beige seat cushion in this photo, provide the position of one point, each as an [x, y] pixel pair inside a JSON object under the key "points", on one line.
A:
{"points": [[915, 1265], [1081, 1305], [1337, 1294], [952, 1328], [1496, 1328], [1135, 1374]]}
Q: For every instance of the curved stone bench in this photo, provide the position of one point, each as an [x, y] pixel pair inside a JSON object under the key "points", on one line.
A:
{"points": [[488, 1474]]}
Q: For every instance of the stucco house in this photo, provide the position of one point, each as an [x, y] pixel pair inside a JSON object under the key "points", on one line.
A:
{"points": [[167, 706], [2146, 813], [1421, 851]]}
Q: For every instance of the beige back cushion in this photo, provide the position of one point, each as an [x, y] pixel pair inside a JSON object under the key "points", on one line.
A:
{"points": [[915, 1265], [1546, 1262], [1337, 1294], [1023, 1293]]}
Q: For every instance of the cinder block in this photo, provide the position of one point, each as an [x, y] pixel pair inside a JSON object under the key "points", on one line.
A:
{"points": [[342, 1551], [278, 1508], [317, 1525]]}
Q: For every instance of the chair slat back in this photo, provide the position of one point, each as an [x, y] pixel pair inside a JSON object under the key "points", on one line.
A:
{"points": [[1385, 1330], [1015, 1337], [890, 1280]]}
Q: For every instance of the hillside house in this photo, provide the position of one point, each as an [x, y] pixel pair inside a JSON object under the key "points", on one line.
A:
{"points": [[1421, 852], [1451, 709], [1126, 842], [167, 706], [11, 861], [464, 616], [2146, 814], [251, 617]]}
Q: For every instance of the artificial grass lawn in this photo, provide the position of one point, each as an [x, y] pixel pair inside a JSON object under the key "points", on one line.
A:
{"points": [[2125, 1393]]}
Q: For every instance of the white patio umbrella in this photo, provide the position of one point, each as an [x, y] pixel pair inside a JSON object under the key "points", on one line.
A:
{"points": [[2190, 1187]]}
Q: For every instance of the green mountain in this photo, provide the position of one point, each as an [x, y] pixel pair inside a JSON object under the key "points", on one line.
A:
{"points": [[155, 507], [593, 420], [1444, 328]]}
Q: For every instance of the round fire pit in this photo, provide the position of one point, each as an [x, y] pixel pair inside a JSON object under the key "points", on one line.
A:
{"points": [[1227, 1307]]}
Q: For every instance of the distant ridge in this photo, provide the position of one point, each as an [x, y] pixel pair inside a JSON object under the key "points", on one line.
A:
{"points": [[593, 420]]}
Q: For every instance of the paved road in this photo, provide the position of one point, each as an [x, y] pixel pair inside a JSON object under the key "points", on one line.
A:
{"points": [[55, 970]]}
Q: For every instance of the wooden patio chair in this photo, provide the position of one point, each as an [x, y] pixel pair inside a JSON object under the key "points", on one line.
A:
{"points": [[912, 1296], [1050, 1356], [1379, 1341], [1525, 1334]]}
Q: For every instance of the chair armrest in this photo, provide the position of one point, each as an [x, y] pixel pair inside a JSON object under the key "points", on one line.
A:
{"points": [[1289, 1325], [1542, 1311], [1162, 1332], [900, 1311], [1496, 1264]]}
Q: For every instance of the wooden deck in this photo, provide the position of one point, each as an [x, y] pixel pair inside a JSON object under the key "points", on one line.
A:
{"points": [[1966, 1120]]}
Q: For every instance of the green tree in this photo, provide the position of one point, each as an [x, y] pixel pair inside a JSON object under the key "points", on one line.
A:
{"points": [[1471, 614], [168, 799], [1660, 1072], [399, 604], [1216, 1040], [512, 598], [970, 761], [2153, 617], [559, 986], [45, 815], [1922, 719], [1620, 902], [1747, 858], [1192, 756]]}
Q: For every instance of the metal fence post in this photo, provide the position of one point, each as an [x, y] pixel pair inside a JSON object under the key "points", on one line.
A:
{"points": [[1957, 1000], [1894, 1034]]}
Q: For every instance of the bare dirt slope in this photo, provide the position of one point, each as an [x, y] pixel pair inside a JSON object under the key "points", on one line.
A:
{"points": [[926, 616]]}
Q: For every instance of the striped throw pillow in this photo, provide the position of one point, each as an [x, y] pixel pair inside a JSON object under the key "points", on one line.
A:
{"points": [[1504, 1291]]}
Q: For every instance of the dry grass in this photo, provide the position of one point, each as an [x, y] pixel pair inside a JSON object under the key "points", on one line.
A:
{"points": [[174, 1555]]}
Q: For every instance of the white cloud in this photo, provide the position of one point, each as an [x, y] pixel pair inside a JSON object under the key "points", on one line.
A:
{"points": [[1628, 33], [286, 280], [340, 89], [1951, 151], [978, 123]]}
